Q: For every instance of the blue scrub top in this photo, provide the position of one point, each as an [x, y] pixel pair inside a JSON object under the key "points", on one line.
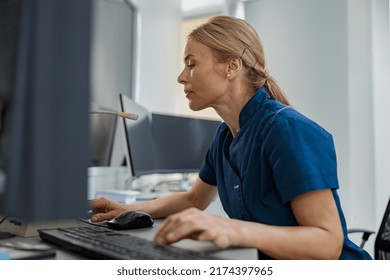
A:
{"points": [[278, 154]]}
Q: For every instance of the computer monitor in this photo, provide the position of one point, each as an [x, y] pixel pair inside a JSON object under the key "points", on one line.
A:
{"points": [[47, 69], [181, 142], [114, 69], [102, 135], [165, 144], [45, 81], [139, 145], [114, 51]]}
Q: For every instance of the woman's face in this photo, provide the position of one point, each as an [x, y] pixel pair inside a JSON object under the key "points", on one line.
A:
{"points": [[204, 78]]}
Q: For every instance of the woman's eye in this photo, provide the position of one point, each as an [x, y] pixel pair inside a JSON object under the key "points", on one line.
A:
{"points": [[190, 65]]}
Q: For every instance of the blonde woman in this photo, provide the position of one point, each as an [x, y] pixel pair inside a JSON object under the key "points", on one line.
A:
{"points": [[273, 168]]}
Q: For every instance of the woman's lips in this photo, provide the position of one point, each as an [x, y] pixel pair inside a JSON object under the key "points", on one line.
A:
{"points": [[188, 93]]}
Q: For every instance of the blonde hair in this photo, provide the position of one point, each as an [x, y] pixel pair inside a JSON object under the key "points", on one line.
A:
{"points": [[230, 37]]}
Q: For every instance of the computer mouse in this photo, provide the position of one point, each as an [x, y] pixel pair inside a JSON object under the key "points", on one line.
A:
{"points": [[131, 220]]}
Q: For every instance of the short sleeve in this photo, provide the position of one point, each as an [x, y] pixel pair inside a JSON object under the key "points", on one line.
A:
{"points": [[207, 171], [301, 156]]}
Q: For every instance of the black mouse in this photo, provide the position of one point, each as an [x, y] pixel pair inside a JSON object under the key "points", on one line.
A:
{"points": [[131, 220]]}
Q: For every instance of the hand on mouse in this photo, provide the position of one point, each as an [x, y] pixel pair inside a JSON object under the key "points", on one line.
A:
{"points": [[106, 209], [198, 225]]}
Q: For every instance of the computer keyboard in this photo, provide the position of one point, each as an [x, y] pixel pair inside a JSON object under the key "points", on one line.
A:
{"points": [[102, 243]]}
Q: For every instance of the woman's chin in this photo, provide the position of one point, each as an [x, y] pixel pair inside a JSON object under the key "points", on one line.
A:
{"points": [[195, 107]]}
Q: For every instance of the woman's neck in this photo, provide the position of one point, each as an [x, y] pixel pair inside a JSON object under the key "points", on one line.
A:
{"points": [[230, 108]]}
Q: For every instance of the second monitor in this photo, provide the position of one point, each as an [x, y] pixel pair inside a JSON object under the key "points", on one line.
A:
{"points": [[161, 143]]}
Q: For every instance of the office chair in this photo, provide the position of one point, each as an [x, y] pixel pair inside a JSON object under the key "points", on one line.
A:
{"points": [[382, 240]]}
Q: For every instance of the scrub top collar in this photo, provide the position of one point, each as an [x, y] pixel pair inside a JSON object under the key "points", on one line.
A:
{"points": [[252, 106]]}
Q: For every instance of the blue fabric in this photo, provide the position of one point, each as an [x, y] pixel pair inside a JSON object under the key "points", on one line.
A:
{"points": [[277, 155]]}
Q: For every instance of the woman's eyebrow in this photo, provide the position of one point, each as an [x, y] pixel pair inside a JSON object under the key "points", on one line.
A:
{"points": [[187, 57]]}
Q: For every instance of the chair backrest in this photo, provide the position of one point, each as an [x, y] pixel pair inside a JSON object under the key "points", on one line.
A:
{"points": [[382, 241]]}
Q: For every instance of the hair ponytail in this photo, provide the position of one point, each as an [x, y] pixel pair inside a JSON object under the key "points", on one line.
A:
{"points": [[275, 91]]}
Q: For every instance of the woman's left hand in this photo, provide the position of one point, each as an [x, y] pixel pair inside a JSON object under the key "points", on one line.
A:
{"points": [[198, 225]]}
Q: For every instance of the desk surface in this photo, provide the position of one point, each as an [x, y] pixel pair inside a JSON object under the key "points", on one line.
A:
{"points": [[215, 208], [147, 233]]}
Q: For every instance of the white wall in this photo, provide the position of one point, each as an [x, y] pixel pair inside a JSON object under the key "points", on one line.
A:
{"points": [[159, 53], [381, 99], [332, 58]]}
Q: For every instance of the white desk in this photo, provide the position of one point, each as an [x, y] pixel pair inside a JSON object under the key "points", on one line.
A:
{"points": [[215, 208], [148, 233]]}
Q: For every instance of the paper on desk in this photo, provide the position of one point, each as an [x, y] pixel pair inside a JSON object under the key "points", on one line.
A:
{"points": [[123, 196]]}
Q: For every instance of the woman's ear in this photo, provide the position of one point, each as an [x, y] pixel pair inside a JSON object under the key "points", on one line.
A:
{"points": [[234, 67]]}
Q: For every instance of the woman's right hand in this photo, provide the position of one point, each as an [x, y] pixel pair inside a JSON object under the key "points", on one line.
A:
{"points": [[106, 209]]}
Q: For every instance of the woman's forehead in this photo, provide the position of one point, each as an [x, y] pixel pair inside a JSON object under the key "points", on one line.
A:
{"points": [[195, 49]]}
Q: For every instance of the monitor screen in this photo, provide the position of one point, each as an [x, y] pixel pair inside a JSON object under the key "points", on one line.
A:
{"points": [[181, 142], [163, 143]]}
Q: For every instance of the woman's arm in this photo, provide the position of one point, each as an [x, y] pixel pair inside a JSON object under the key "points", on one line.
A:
{"points": [[199, 195], [318, 236]]}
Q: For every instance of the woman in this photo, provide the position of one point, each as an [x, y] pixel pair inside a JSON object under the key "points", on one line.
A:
{"points": [[273, 168]]}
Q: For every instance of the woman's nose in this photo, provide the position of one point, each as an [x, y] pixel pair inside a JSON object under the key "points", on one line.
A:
{"points": [[181, 78]]}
